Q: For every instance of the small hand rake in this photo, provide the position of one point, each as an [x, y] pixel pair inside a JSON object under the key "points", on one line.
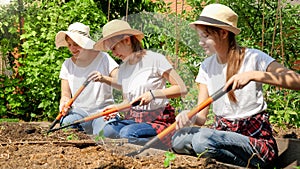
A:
{"points": [[100, 114], [71, 101], [172, 127]]}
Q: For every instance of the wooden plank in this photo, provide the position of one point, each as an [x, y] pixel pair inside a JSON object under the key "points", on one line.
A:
{"points": [[71, 142], [289, 153]]}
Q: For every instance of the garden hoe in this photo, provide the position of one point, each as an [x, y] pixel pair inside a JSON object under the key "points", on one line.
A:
{"points": [[59, 116], [97, 115], [172, 127]]}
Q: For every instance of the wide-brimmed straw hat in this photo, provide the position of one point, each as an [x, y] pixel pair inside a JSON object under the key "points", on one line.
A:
{"points": [[114, 28], [79, 33], [220, 16]]}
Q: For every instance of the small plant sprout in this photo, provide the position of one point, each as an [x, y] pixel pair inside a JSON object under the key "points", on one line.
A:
{"points": [[170, 156], [201, 154], [100, 136], [72, 137]]}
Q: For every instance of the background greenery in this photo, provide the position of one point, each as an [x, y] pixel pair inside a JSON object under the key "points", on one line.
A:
{"points": [[32, 93]]}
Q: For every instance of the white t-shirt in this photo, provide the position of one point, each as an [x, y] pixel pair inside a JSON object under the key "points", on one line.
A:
{"points": [[250, 99], [143, 76], [96, 95]]}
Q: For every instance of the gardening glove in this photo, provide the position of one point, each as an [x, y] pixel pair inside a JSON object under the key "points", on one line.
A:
{"points": [[182, 120]]}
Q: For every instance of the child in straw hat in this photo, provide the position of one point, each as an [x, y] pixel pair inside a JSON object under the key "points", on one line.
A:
{"points": [[142, 77], [76, 69], [242, 134]]}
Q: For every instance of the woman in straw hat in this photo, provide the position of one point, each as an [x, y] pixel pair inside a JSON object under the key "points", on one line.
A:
{"points": [[142, 77], [76, 69], [242, 134]]}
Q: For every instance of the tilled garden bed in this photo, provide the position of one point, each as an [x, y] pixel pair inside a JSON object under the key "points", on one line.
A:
{"points": [[27, 145]]}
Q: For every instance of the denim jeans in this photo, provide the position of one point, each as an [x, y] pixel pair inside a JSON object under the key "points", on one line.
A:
{"points": [[137, 133], [90, 127], [227, 147]]}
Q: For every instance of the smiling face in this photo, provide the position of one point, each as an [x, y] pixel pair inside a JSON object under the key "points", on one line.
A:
{"points": [[215, 40], [73, 47], [207, 40]]}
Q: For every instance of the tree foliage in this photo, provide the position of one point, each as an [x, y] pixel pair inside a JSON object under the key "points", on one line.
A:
{"points": [[272, 26]]}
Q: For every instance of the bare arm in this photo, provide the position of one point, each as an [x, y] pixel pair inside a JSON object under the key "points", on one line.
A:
{"points": [[182, 119], [110, 80], [279, 76], [202, 96], [65, 93], [276, 75], [176, 89]]}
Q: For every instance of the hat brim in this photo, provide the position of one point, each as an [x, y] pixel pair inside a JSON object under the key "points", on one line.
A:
{"points": [[99, 45], [226, 27], [82, 41]]}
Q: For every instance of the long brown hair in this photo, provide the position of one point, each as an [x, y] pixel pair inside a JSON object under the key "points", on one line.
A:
{"points": [[235, 55], [137, 47]]}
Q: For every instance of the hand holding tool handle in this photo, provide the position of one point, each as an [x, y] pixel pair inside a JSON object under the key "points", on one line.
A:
{"points": [[97, 115], [70, 102], [172, 127]]}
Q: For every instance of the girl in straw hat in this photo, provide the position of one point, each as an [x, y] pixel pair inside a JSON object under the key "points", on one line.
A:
{"points": [[76, 69], [142, 77], [242, 134]]}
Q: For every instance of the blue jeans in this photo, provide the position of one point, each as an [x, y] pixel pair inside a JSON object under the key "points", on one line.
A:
{"points": [[137, 133], [227, 147], [90, 127]]}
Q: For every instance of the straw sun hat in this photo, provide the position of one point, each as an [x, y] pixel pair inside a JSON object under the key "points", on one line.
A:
{"points": [[220, 16], [79, 33], [114, 28]]}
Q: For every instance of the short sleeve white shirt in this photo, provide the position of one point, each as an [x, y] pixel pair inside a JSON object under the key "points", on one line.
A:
{"points": [[143, 76], [96, 95], [250, 99]]}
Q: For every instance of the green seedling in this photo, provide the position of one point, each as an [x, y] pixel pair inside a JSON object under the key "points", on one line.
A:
{"points": [[72, 137], [201, 154], [100, 136], [170, 156]]}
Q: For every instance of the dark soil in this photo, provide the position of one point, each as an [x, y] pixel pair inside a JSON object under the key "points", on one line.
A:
{"points": [[27, 145]]}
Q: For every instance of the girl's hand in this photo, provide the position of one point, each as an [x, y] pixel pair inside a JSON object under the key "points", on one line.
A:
{"points": [[95, 76], [182, 119], [144, 99], [109, 116], [63, 108], [238, 81]]}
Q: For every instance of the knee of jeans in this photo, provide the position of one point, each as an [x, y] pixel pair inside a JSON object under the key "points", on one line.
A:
{"points": [[176, 141], [110, 132], [127, 132], [184, 149], [98, 126], [201, 141], [70, 118], [181, 143]]}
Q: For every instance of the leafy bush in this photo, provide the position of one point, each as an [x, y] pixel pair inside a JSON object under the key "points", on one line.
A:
{"points": [[34, 93], [283, 105]]}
